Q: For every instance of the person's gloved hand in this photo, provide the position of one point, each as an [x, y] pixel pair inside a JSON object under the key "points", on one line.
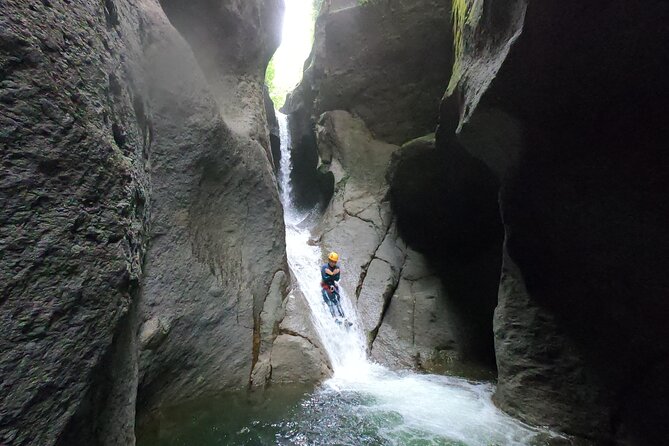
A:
{"points": [[332, 288]]}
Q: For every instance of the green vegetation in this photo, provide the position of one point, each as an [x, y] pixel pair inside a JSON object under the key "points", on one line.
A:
{"points": [[463, 11], [278, 95], [369, 2], [285, 69], [459, 11], [316, 7]]}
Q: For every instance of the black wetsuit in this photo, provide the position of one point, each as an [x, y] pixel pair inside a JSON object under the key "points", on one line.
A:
{"points": [[331, 298]]}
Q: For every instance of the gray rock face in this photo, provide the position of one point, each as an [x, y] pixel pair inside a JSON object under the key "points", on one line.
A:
{"points": [[386, 62], [416, 331], [217, 231], [235, 70], [376, 60], [575, 139], [380, 282], [531, 346], [272, 314], [295, 359], [301, 355], [403, 306], [73, 200], [445, 202], [118, 134], [375, 294], [357, 219], [274, 130]]}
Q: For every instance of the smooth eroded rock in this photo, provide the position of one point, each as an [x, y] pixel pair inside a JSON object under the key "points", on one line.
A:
{"points": [[295, 359]]}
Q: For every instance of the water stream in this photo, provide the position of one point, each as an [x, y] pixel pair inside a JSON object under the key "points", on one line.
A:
{"points": [[362, 403], [399, 408]]}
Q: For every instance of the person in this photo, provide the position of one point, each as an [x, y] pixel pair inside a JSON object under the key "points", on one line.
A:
{"points": [[330, 274]]}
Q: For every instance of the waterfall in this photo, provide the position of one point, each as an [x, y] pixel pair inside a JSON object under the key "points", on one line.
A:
{"points": [[430, 408], [345, 347]]}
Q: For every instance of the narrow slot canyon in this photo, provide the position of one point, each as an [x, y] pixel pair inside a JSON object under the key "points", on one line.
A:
{"points": [[180, 181]]}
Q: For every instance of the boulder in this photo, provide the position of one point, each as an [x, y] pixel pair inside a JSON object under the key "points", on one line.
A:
{"points": [[393, 345], [271, 316], [297, 323], [295, 359], [380, 282], [375, 293]]}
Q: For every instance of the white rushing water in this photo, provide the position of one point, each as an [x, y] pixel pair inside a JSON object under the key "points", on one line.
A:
{"points": [[433, 409]]}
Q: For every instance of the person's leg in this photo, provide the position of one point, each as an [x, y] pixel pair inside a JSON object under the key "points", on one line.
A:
{"points": [[337, 302], [328, 302]]}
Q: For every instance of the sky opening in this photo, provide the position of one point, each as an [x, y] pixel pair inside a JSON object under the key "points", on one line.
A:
{"points": [[285, 69]]}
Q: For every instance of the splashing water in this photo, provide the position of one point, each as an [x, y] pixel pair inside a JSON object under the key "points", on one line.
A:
{"points": [[365, 403]]}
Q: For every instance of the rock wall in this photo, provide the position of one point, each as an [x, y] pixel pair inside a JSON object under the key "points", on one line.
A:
{"points": [[373, 80], [141, 231], [217, 227], [563, 100], [384, 61], [274, 130], [405, 311], [446, 207], [75, 191], [376, 60]]}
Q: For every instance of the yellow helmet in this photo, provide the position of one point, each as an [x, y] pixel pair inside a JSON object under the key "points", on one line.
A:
{"points": [[333, 256]]}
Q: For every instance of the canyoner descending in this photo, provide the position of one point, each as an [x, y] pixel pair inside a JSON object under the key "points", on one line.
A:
{"points": [[330, 275]]}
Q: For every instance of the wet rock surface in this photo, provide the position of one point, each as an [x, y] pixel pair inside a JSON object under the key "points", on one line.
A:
{"points": [[358, 218], [404, 308], [127, 179], [295, 359], [574, 107], [416, 331]]}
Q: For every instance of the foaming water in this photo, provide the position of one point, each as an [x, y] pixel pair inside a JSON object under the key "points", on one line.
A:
{"points": [[387, 407], [433, 408]]}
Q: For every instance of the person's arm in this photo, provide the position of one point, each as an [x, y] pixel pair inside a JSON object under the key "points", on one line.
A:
{"points": [[326, 274]]}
